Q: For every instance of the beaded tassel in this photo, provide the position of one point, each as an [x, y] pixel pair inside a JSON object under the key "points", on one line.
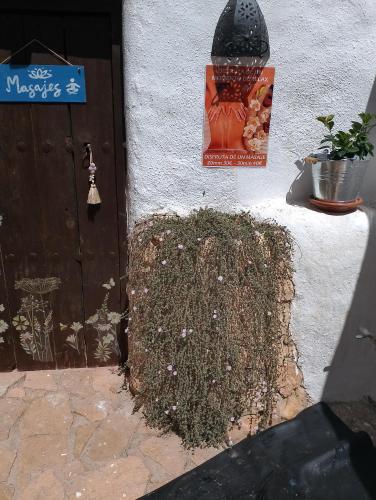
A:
{"points": [[93, 197]]}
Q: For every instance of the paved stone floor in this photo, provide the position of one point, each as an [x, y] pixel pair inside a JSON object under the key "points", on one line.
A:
{"points": [[71, 434]]}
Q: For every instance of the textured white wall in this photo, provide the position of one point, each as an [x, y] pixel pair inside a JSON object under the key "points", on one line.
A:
{"points": [[325, 58]]}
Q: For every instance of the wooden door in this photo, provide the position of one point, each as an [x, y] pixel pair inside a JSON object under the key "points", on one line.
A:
{"points": [[62, 290]]}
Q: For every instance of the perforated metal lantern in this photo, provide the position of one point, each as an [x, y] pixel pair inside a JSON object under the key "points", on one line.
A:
{"points": [[241, 33]]}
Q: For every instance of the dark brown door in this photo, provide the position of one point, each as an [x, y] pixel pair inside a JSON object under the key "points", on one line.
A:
{"points": [[62, 262]]}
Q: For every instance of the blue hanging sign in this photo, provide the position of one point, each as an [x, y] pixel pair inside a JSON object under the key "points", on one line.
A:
{"points": [[42, 83]]}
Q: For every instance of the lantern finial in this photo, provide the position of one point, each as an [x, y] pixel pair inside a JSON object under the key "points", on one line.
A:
{"points": [[241, 35]]}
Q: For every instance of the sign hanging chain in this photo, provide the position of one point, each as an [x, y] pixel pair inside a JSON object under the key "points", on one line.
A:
{"points": [[35, 40]]}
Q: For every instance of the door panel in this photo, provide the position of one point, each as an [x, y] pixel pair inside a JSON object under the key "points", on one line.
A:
{"points": [[9, 117], [56, 173], [93, 123], [61, 256]]}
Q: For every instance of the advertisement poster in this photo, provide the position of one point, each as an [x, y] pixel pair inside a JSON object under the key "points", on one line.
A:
{"points": [[238, 106]]}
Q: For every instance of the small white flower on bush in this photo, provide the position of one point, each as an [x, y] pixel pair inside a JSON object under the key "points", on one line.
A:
{"points": [[164, 262], [170, 368], [269, 313], [174, 408], [146, 290], [76, 326], [133, 292], [215, 316], [257, 233], [181, 247], [167, 412], [190, 330], [199, 239], [184, 334], [220, 279], [228, 368], [168, 231], [3, 326], [232, 419], [175, 373], [2, 308], [159, 330], [135, 308]]}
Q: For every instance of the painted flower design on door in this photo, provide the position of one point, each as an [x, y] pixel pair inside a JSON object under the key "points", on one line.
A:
{"points": [[34, 322], [34, 319], [3, 325], [105, 324]]}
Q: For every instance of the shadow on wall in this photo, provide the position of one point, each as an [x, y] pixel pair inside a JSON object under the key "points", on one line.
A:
{"points": [[301, 188], [352, 374]]}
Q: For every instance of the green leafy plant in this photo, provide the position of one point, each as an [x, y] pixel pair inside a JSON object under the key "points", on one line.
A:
{"points": [[352, 144]]}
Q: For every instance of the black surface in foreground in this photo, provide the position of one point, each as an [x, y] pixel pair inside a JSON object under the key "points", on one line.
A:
{"points": [[315, 456]]}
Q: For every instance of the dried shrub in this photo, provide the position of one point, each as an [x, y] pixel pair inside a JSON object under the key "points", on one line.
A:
{"points": [[205, 327]]}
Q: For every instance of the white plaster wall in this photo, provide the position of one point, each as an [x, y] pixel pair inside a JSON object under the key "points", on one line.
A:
{"points": [[325, 58]]}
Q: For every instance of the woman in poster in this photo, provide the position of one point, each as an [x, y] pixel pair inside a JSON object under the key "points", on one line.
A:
{"points": [[238, 103]]}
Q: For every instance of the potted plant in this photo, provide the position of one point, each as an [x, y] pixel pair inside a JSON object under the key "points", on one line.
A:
{"points": [[339, 170]]}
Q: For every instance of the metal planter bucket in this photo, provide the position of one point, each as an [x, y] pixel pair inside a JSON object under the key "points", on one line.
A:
{"points": [[338, 180]]}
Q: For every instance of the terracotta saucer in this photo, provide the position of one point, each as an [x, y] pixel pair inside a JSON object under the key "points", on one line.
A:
{"points": [[337, 206]]}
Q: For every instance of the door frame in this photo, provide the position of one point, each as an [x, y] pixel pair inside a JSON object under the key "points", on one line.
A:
{"points": [[113, 8]]}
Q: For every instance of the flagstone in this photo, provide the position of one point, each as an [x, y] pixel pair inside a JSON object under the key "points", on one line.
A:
{"points": [[6, 491], [9, 379], [111, 438], [108, 382], [49, 415], [16, 392], [36, 453], [10, 411], [94, 408], [7, 456], [78, 382], [42, 380], [201, 456], [82, 434], [123, 478], [46, 486], [167, 452]]}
